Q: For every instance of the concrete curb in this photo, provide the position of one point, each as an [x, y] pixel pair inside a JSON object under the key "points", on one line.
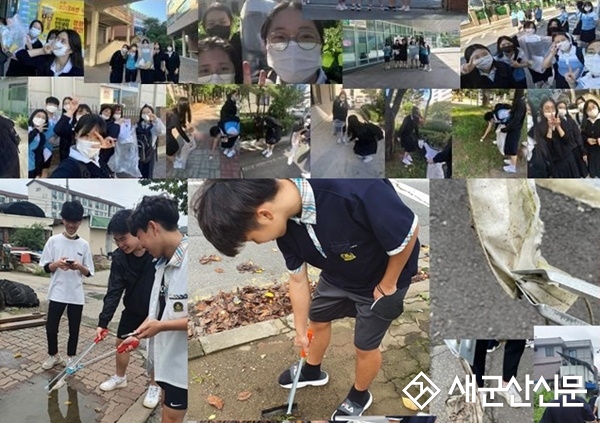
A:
{"points": [[137, 412]]}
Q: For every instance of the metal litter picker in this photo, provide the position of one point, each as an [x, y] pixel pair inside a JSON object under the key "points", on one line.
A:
{"points": [[290, 408], [78, 363]]}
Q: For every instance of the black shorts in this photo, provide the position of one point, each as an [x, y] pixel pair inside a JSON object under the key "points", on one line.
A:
{"points": [[271, 141], [386, 59], [128, 323], [331, 303], [174, 397]]}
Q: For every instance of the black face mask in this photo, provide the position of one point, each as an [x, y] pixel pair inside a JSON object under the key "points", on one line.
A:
{"points": [[220, 31], [507, 49], [552, 30]]}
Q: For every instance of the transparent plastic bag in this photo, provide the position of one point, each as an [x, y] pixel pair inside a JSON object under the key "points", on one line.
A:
{"points": [[126, 157], [145, 59], [184, 152], [13, 35]]}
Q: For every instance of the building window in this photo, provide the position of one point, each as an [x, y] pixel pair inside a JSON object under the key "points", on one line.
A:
{"points": [[17, 92], [573, 353], [61, 195], [549, 351], [54, 195]]}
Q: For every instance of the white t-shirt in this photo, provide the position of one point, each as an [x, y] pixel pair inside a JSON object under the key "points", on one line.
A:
{"points": [[66, 286]]}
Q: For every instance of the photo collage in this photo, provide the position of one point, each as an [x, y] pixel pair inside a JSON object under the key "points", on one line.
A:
{"points": [[166, 251]]}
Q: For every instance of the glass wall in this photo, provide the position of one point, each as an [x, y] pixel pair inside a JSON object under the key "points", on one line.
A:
{"points": [[363, 41]]}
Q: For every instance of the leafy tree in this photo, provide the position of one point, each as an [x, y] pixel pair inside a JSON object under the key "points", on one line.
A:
{"points": [[178, 188], [332, 52], [156, 31], [392, 101], [440, 110], [33, 237]]}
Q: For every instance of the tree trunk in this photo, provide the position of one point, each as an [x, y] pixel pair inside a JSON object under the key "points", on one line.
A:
{"points": [[393, 99], [485, 98], [427, 104]]}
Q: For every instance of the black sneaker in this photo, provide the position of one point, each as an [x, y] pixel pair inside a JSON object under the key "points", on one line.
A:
{"points": [[350, 408], [286, 379]]}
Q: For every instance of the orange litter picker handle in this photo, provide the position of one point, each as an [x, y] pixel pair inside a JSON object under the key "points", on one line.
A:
{"points": [[309, 334]]}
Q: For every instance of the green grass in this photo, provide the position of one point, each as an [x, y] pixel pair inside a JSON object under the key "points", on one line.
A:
{"points": [[396, 169], [538, 411], [471, 158]]}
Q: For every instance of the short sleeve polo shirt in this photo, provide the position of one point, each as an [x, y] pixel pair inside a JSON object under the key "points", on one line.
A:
{"points": [[358, 224]]}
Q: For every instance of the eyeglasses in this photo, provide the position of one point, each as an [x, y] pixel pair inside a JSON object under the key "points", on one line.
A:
{"points": [[592, 53], [306, 40]]}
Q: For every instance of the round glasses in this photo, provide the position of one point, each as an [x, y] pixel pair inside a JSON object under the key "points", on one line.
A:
{"points": [[306, 40]]}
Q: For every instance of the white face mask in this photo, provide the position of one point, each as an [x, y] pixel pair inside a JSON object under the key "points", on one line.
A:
{"points": [[51, 108], [88, 148], [592, 63], [105, 117], [529, 31], [294, 65], [580, 106], [215, 78], [123, 51], [146, 117], [484, 62], [117, 116], [588, 9], [59, 49], [38, 121], [564, 45], [34, 33], [548, 115], [562, 112], [593, 113]]}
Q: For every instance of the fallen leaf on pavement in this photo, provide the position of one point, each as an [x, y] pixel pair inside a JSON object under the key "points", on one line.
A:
{"points": [[269, 294], [212, 417], [68, 403], [263, 355], [248, 266], [215, 401], [209, 259], [17, 355], [409, 404], [243, 396], [98, 410], [219, 270]]}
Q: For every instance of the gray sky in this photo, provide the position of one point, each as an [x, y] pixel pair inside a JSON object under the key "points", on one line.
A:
{"points": [[572, 333], [126, 192]]}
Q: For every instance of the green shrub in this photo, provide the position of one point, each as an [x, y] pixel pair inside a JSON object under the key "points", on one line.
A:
{"points": [[435, 139], [438, 125], [21, 121]]}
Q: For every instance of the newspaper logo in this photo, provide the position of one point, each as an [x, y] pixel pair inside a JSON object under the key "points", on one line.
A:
{"points": [[424, 388]]}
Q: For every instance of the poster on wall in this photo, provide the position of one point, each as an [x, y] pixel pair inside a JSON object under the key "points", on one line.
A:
{"points": [[57, 14]]}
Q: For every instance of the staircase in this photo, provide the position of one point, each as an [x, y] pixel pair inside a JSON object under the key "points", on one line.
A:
{"points": [[104, 52]]}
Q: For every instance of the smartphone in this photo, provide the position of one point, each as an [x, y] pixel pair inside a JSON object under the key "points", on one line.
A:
{"points": [[69, 262]]}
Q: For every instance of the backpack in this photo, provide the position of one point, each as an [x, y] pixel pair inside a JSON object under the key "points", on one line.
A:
{"points": [[144, 142]]}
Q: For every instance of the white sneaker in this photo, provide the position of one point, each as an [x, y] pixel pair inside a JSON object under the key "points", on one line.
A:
{"points": [[226, 151], [407, 9], [406, 162], [52, 361], [506, 161], [510, 169], [306, 174], [429, 70], [152, 397], [69, 362], [231, 153], [512, 392], [115, 382], [368, 159], [264, 152], [358, 8], [340, 140], [410, 159], [290, 160], [269, 154], [340, 7]]}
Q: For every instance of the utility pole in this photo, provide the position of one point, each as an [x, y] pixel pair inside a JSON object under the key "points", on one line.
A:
{"points": [[67, 199]]}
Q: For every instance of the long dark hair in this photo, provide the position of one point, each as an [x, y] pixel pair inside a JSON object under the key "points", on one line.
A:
{"points": [[32, 115], [76, 50], [183, 110], [140, 120]]}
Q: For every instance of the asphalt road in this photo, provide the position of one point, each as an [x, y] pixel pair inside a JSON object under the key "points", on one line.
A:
{"points": [[467, 301], [204, 281]]}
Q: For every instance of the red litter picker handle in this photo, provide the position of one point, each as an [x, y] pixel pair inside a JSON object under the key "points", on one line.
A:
{"points": [[101, 336], [309, 334], [128, 347]]}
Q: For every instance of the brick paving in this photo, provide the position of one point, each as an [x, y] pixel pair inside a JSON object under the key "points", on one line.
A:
{"points": [[31, 344]]}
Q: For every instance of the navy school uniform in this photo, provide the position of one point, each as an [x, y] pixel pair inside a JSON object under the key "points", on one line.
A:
{"points": [[172, 62], [64, 129], [117, 67], [19, 67], [562, 64], [503, 78], [359, 224], [112, 130], [159, 75], [581, 413], [43, 64]]}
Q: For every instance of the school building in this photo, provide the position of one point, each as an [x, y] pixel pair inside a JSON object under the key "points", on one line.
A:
{"points": [[13, 96], [182, 23], [363, 41]]}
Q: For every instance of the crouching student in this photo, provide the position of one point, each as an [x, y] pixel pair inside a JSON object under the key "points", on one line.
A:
{"points": [[154, 223], [358, 232]]}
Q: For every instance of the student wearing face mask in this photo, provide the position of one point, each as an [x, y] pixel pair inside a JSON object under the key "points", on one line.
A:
{"points": [[293, 45], [177, 119], [578, 143], [216, 62], [579, 116], [61, 58], [589, 20], [84, 157], [409, 134], [117, 64], [229, 116], [340, 114], [482, 71], [64, 126], [131, 70], [172, 62], [147, 131], [38, 122], [513, 56], [566, 58], [529, 33], [553, 26], [112, 130], [52, 139], [217, 22], [563, 18], [560, 140], [590, 77], [158, 57], [18, 67], [590, 132]]}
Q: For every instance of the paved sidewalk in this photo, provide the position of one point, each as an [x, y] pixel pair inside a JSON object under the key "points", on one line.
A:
{"points": [[444, 74], [22, 380], [268, 350], [466, 30], [255, 165], [332, 160], [99, 73], [422, 9]]}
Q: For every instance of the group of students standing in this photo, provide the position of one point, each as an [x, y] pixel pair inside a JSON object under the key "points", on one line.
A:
{"points": [[60, 54], [129, 60], [141, 267], [87, 141], [413, 53], [558, 59], [565, 143]]}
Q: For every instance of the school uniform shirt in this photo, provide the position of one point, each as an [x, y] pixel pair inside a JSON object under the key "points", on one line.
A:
{"points": [[9, 145], [500, 76], [591, 129], [588, 20], [518, 73], [565, 61], [588, 81], [168, 350], [45, 66], [349, 229], [66, 286], [158, 128], [76, 164], [578, 413]]}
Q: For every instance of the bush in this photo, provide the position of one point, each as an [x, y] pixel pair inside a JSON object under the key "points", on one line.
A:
{"points": [[371, 112], [436, 139], [438, 125], [33, 237], [501, 10], [21, 122]]}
